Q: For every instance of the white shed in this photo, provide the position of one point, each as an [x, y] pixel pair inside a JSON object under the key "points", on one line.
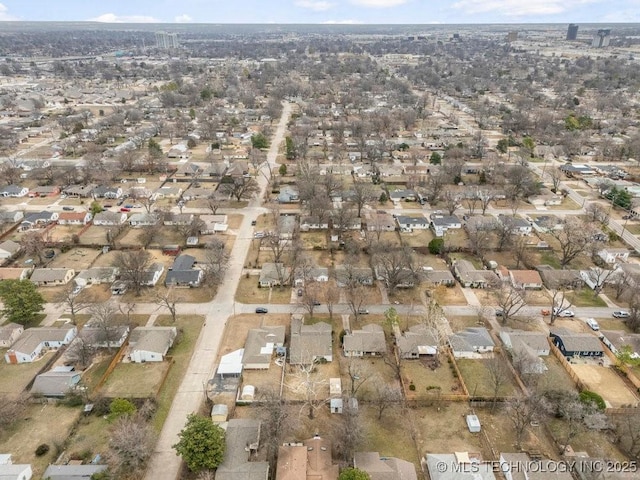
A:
{"points": [[473, 423], [248, 393]]}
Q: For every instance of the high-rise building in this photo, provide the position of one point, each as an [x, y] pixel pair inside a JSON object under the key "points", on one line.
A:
{"points": [[166, 40], [572, 31], [601, 38]]}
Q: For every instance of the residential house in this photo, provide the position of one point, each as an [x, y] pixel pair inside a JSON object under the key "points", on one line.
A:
{"points": [[79, 191], [107, 218], [596, 277], [309, 343], [143, 219], [260, 345], [8, 249], [459, 466], [152, 275], [151, 344], [197, 193], [573, 344], [44, 191], [213, 224], [546, 223], [470, 277], [104, 191], [242, 440], [403, 195], [575, 170], [15, 273], [74, 218], [189, 169], [9, 333], [34, 341], [14, 471], [274, 274], [288, 194], [554, 279], [417, 341], [96, 276], [48, 277], [616, 339], [409, 223], [347, 275], [526, 279], [99, 337], [516, 225], [519, 466], [178, 219], [182, 273], [56, 383], [38, 219], [287, 225], [315, 274], [13, 216], [614, 255], [443, 223], [526, 349], [180, 151], [439, 277], [384, 468], [230, 364], [167, 192], [472, 342], [313, 223], [73, 472], [14, 191], [309, 460], [378, 221], [481, 224], [369, 341]]}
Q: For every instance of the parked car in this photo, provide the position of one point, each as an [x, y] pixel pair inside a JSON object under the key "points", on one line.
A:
{"points": [[499, 312], [261, 310], [125, 209], [107, 205], [299, 292], [593, 324], [316, 303], [563, 313], [120, 202], [253, 223], [67, 209], [621, 314], [76, 290], [363, 311], [259, 235]]}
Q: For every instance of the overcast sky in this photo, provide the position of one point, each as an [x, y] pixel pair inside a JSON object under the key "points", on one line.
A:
{"points": [[325, 11]]}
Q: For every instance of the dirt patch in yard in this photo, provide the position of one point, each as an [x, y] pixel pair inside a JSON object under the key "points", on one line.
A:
{"points": [[448, 295], [76, 258], [605, 381], [135, 380]]}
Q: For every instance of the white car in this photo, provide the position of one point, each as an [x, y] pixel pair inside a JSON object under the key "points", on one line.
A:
{"points": [[621, 314], [593, 324], [563, 313]]}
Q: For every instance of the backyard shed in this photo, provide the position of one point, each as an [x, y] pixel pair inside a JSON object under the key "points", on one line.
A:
{"points": [[473, 423]]}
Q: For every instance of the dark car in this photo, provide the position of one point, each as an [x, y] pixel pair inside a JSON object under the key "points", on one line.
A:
{"points": [[299, 292], [499, 313], [253, 223], [67, 209], [316, 303], [120, 202], [107, 205], [261, 310], [49, 254], [627, 217]]}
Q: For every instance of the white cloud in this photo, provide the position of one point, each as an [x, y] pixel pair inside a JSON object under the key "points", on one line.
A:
{"points": [[379, 3], [316, 5], [5, 16], [113, 18], [518, 8], [184, 18], [342, 22]]}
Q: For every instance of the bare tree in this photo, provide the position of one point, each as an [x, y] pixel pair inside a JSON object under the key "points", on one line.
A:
{"points": [[522, 411], [241, 188], [559, 302], [395, 265], [33, 244], [450, 199], [349, 433], [130, 446], [486, 196], [104, 319], [520, 250], [384, 397], [310, 295], [597, 213], [627, 428], [169, 300], [510, 300], [308, 383], [75, 302], [357, 376], [80, 353], [556, 175], [133, 266], [575, 237], [331, 297], [364, 193], [274, 413], [11, 409], [216, 262], [215, 203], [357, 298], [149, 233], [498, 374], [437, 325]]}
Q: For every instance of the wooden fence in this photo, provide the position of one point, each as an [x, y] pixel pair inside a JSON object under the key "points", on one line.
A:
{"points": [[566, 365], [114, 362]]}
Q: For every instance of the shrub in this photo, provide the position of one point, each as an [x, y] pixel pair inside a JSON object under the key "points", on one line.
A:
{"points": [[587, 396], [73, 399], [412, 387], [436, 246], [42, 449], [120, 407]]}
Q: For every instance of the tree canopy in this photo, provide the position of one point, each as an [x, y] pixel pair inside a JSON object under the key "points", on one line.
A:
{"points": [[353, 474], [21, 300], [259, 141], [201, 443]]}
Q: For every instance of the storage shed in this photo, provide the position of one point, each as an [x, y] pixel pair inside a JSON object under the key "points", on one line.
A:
{"points": [[473, 423]]}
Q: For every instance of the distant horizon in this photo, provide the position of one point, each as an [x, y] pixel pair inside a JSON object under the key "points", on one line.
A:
{"points": [[319, 12]]}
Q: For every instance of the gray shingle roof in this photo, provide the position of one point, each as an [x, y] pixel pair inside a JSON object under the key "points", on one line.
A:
{"points": [[370, 339]]}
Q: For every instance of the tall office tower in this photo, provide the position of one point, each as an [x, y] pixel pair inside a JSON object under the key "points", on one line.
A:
{"points": [[166, 40], [572, 31], [601, 38]]}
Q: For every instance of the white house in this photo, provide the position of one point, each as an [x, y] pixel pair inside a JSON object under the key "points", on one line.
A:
{"points": [[14, 471], [408, 223], [109, 218], [516, 225], [34, 341], [442, 223], [8, 248], [143, 219], [47, 277], [14, 191], [151, 344], [96, 276], [9, 333], [471, 343], [613, 255]]}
